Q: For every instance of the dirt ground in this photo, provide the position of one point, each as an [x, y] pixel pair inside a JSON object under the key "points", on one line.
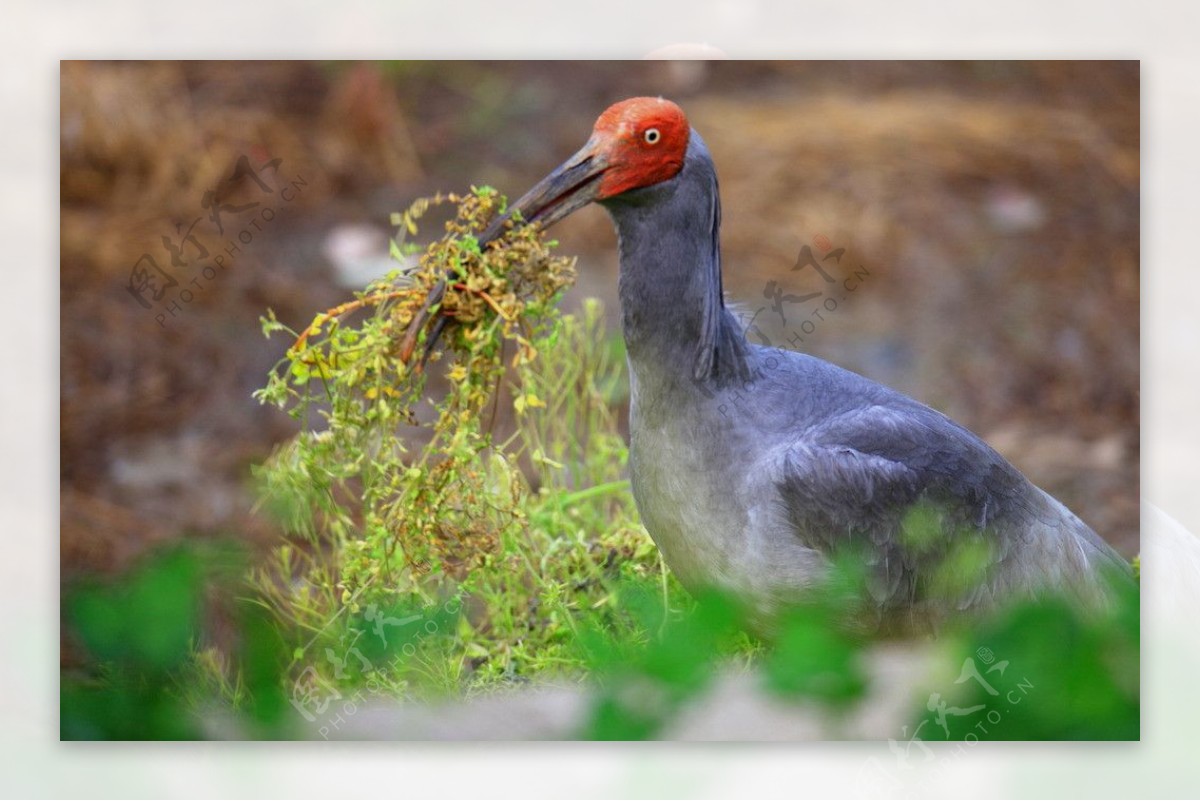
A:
{"points": [[994, 208]]}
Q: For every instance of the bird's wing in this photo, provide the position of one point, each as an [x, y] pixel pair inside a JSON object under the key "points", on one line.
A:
{"points": [[921, 498]]}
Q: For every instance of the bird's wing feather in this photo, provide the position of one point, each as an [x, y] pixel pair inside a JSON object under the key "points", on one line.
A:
{"points": [[907, 487]]}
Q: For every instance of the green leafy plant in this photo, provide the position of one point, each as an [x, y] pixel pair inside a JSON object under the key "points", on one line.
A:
{"points": [[154, 667], [1044, 669], [530, 531]]}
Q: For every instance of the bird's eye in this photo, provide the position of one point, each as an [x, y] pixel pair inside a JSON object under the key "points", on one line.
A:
{"points": [[652, 136]]}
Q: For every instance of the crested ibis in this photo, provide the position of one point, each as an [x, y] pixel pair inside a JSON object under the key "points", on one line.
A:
{"points": [[752, 467]]}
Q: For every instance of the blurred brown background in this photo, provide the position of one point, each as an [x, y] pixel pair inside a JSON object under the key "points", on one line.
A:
{"points": [[995, 206]]}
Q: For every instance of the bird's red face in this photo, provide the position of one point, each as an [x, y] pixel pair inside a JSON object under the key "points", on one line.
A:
{"points": [[635, 143], [643, 141]]}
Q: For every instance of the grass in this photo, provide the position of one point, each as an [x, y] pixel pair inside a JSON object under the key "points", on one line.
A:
{"points": [[162, 670], [473, 560]]}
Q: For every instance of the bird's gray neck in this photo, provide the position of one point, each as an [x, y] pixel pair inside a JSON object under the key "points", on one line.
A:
{"points": [[673, 313]]}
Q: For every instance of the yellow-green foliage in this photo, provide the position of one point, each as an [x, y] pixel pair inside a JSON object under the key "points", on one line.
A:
{"points": [[398, 500]]}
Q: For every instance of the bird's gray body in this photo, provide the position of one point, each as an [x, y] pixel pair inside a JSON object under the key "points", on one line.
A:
{"points": [[752, 466]]}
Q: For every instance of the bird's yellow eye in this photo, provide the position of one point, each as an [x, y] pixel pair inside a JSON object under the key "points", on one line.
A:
{"points": [[652, 136]]}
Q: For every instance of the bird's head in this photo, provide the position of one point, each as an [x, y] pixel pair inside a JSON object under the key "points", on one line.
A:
{"points": [[635, 143]]}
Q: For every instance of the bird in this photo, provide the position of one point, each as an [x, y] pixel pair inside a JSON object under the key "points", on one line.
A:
{"points": [[754, 467]]}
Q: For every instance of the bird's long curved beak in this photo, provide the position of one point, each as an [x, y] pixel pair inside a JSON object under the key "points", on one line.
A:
{"points": [[571, 186]]}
